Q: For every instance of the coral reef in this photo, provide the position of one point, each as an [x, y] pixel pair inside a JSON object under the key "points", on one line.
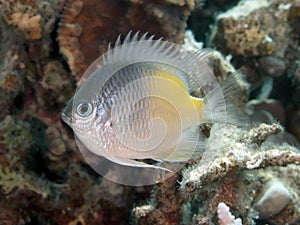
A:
{"points": [[294, 116], [12, 71], [243, 165], [249, 172]]}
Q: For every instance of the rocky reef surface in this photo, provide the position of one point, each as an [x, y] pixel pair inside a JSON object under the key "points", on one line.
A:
{"points": [[45, 46]]}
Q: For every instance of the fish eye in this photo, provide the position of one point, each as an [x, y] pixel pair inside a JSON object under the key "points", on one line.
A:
{"points": [[84, 109]]}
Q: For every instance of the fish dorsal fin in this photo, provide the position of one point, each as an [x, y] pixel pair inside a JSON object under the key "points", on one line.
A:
{"points": [[133, 49]]}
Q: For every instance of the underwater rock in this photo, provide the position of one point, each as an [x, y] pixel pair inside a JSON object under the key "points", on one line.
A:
{"points": [[57, 158], [12, 70], [166, 207], [267, 111], [8, 215], [272, 66], [48, 84], [254, 28], [30, 19], [293, 118], [34, 195], [294, 124], [271, 106], [56, 87], [15, 134], [82, 44], [261, 116], [147, 214], [274, 198], [36, 152], [291, 213], [7, 37]]}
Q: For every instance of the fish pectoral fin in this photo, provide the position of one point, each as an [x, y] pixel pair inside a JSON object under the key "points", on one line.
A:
{"points": [[191, 144], [133, 163]]}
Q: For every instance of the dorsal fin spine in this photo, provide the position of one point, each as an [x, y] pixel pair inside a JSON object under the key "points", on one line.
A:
{"points": [[127, 38]]}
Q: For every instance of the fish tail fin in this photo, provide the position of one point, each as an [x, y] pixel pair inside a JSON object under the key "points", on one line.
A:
{"points": [[219, 104]]}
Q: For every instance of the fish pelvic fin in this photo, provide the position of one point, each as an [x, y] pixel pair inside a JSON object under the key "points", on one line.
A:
{"points": [[219, 104]]}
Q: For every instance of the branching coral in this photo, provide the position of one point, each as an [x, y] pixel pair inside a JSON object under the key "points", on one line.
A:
{"points": [[259, 134], [225, 216]]}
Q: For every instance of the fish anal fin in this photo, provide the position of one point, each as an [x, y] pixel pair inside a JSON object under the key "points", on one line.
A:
{"points": [[134, 163]]}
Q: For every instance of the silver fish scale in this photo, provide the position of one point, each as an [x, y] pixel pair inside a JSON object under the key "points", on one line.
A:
{"points": [[135, 124]]}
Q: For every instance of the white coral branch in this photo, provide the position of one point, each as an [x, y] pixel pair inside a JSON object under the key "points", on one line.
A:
{"points": [[225, 216]]}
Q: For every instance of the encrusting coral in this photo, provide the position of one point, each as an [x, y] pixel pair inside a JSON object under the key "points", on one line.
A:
{"points": [[82, 44], [29, 18], [254, 28]]}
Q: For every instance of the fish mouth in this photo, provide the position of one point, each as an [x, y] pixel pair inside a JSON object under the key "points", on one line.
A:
{"points": [[66, 115], [67, 119]]}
